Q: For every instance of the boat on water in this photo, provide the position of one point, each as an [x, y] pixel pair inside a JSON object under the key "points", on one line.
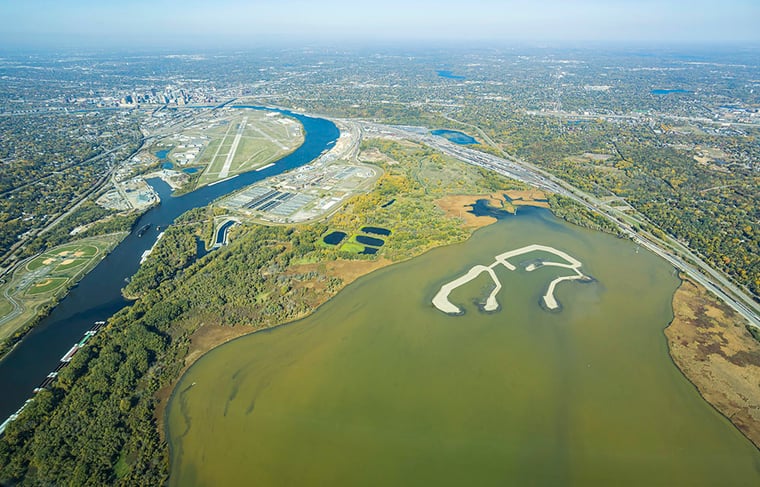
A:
{"points": [[142, 230]]}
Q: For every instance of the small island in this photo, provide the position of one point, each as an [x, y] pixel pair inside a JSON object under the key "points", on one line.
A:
{"points": [[441, 299]]}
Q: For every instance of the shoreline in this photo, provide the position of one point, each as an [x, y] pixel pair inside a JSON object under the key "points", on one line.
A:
{"points": [[711, 347], [453, 206], [213, 336]]}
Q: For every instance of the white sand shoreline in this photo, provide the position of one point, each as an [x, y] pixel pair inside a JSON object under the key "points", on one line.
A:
{"points": [[441, 299]]}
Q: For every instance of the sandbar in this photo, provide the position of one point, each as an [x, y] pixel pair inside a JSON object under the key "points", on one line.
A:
{"points": [[441, 299]]}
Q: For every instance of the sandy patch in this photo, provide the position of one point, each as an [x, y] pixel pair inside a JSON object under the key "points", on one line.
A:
{"points": [[347, 270], [43, 283], [64, 253], [528, 197], [597, 157], [375, 155], [78, 253], [710, 344], [48, 261], [67, 262]]}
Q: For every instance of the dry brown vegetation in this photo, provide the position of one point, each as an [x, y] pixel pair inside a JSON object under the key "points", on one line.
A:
{"points": [[711, 345], [459, 206]]}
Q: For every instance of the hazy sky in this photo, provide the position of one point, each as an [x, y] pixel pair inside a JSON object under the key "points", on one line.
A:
{"points": [[226, 23]]}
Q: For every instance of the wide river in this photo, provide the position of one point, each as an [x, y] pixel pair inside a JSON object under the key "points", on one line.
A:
{"points": [[378, 387], [98, 295]]}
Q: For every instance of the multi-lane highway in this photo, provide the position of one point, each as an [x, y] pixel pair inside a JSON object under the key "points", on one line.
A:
{"points": [[522, 171]]}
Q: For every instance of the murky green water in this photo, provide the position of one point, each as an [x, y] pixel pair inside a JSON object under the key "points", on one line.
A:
{"points": [[380, 388]]}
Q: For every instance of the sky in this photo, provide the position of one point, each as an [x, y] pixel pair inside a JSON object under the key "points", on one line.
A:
{"points": [[238, 23]]}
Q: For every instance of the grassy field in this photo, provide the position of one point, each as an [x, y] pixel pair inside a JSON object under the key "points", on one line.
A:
{"points": [[46, 286], [44, 278], [250, 140], [237, 141]]}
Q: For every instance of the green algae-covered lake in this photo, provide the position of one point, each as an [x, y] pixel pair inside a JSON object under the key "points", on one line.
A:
{"points": [[380, 388]]}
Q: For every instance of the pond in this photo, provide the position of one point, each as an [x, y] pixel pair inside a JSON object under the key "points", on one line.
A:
{"points": [[334, 238], [444, 73], [376, 230], [455, 136], [668, 92], [375, 242]]}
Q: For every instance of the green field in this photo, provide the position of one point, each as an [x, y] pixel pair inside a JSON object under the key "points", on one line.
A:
{"points": [[238, 141], [250, 140], [42, 278], [353, 247], [46, 285], [35, 264], [70, 264]]}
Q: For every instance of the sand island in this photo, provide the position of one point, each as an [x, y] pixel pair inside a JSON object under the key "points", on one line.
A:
{"points": [[441, 299]]}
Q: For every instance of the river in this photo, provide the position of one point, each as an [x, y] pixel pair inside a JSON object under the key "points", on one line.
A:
{"points": [[98, 295]]}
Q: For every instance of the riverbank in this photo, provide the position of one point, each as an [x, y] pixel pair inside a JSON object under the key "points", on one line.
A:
{"points": [[37, 284], [711, 345]]}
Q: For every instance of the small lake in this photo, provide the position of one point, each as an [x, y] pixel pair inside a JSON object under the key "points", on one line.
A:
{"points": [[455, 136], [668, 92], [444, 73], [379, 388], [162, 154], [190, 170]]}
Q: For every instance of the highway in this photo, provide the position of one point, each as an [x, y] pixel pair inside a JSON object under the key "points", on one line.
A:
{"points": [[527, 173]]}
